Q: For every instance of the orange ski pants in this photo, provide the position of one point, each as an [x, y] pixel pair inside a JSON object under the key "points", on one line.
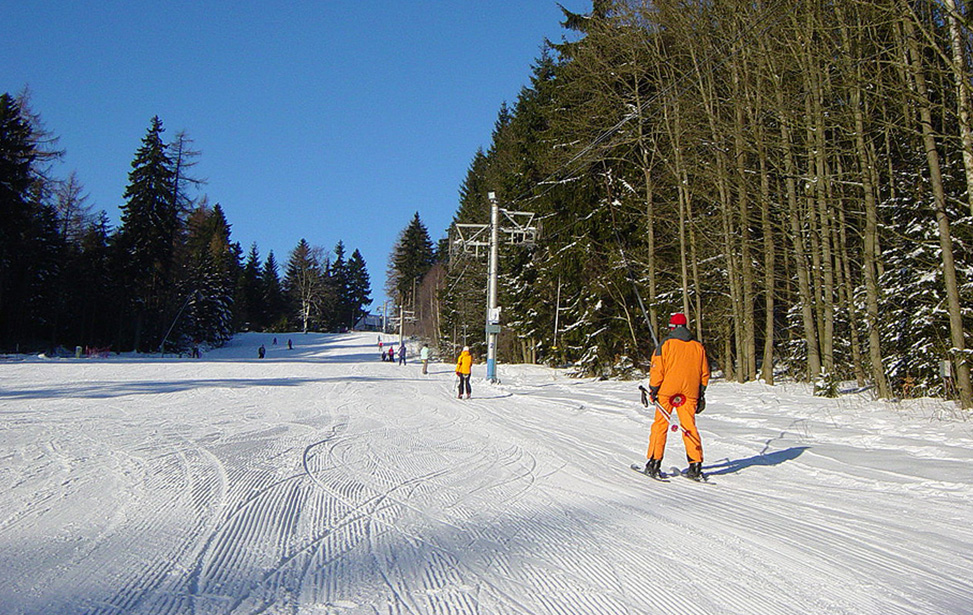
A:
{"points": [[690, 435]]}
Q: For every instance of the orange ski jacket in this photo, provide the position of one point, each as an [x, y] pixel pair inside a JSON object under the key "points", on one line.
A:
{"points": [[464, 363], [679, 365]]}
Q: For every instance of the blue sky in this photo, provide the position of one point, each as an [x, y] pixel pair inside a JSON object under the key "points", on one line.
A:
{"points": [[320, 120]]}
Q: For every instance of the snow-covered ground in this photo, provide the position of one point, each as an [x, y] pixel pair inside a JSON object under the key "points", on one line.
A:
{"points": [[321, 480]]}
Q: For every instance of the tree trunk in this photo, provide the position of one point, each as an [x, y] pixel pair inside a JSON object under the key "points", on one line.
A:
{"points": [[870, 235], [957, 334], [694, 260], [649, 187], [674, 122], [767, 230], [822, 178], [962, 79], [757, 108], [799, 252], [747, 350], [848, 298]]}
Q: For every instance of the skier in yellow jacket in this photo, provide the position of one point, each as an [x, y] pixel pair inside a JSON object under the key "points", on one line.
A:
{"points": [[464, 365], [677, 380]]}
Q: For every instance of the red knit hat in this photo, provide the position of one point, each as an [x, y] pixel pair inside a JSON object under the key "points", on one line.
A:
{"points": [[678, 319]]}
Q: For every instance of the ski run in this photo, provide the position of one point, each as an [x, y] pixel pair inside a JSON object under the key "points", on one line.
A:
{"points": [[322, 480]]}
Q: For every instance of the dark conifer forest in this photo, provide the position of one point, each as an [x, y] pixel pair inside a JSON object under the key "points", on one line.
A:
{"points": [[169, 278]]}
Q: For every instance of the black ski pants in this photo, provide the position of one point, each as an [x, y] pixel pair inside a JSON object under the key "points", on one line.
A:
{"points": [[464, 384]]}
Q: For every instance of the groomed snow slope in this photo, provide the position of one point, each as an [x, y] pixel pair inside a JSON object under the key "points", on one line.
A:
{"points": [[321, 480]]}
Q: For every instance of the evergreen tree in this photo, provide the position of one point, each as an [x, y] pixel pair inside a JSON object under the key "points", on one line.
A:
{"points": [[45, 301], [92, 294], [349, 283], [30, 244], [249, 312], [150, 231], [16, 158], [463, 302], [474, 208], [336, 308], [412, 256], [304, 285], [276, 306], [359, 287], [210, 271]]}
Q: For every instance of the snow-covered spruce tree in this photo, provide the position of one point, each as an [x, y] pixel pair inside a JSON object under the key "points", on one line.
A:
{"points": [[519, 159], [915, 335], [210, 268], [525, 320], [462, 304]]}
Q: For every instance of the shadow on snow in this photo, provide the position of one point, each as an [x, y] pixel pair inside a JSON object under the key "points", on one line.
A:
{"points": [[732, 466]]}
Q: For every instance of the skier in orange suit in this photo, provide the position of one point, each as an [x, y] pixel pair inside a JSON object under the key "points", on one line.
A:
{"points": [[677, 381]]}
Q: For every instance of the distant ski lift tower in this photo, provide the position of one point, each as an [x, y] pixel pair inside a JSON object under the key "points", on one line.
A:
{"points": [[493, 311], [519, 229]]}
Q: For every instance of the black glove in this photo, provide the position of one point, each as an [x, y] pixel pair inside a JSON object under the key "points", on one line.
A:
{"points": [[652, 393], [701, 402]]}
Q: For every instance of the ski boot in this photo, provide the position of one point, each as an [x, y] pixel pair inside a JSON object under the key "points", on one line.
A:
{"points": [[652, 468], [695, 471]]}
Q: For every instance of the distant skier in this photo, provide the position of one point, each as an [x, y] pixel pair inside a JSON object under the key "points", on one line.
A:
{"points": [[402, 354], [464, 365], [392, 354], [424, 356], [677, 380], [261, 352], [290, 345]]}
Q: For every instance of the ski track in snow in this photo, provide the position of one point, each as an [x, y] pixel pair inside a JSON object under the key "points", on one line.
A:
{"points": [[323, 481]]}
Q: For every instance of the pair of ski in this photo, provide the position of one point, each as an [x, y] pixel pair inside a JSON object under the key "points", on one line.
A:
{"points": [[664, 478]]}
